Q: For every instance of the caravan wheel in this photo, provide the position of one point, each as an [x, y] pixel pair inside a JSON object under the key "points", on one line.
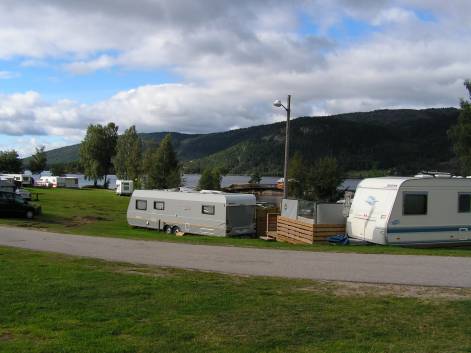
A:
{"points": [[175, 229], [168, 229]]}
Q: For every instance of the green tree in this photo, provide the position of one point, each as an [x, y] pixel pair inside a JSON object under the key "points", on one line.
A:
{"points": [[323, 180], [38, 160], [460, 134], [10, 162], [206, 180], [128, 160], [210, 179], [96, 151], [297, 176], [58, 169], [255, 178], [162, 167]]}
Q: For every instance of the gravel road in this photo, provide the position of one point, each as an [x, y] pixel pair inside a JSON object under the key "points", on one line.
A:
{"points": [[396, 269]]}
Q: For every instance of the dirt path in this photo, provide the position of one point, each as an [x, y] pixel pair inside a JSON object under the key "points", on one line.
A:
{"points": [[369, 268]]}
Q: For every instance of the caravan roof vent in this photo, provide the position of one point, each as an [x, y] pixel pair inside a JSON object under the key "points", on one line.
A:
{"points": [[434, 174], [423, 176], [210, 192]]}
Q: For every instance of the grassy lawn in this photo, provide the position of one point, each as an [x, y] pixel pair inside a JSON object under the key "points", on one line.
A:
{"points": [[55, 303], [102, 213]]}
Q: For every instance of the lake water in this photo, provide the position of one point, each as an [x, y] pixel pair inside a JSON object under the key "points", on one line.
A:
{"points": [[191, 180]]}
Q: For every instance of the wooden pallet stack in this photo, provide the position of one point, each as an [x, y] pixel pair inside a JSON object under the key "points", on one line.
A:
{"points": [[296, 232], [265, 221]]}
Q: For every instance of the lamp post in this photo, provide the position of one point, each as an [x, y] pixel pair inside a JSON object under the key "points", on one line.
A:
{"points": [[278, 104]]}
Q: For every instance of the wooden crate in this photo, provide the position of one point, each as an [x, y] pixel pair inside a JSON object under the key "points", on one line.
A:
{"points": [[296, 232]]}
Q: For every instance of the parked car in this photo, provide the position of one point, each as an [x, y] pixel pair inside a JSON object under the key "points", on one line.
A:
{"points": [[14, 205], [25, 194]]}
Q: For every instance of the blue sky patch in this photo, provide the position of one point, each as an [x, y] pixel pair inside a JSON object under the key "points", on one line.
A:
{"points": [[54, 82]]}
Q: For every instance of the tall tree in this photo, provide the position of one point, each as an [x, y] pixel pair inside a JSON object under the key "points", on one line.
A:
{"points": [[210, 179], [38, 160], [255, 178], [297, 176], [323, 180], [460, 134], [128, 160], [162, 167], [97, 150], [10, 162]]}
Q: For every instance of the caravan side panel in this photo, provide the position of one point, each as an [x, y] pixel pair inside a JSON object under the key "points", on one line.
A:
{"points": [[196, 217], [429, 214]]}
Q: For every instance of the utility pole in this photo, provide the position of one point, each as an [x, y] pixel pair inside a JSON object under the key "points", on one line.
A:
{"points": [[285, 176]]}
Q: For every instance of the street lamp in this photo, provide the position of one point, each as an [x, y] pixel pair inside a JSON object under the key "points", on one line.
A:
{"points": [[278, 104]]}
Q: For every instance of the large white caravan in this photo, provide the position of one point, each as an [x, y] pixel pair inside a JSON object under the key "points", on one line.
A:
{"points": [[207, 213], [24, 179], [412, 210]]}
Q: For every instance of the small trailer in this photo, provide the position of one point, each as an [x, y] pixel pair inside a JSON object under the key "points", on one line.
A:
{"points": [[124, 187], [420, 210], [205, 213], [58, 182]]}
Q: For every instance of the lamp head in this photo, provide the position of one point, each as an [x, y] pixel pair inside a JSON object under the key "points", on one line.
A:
{"points": [[277, 103]]}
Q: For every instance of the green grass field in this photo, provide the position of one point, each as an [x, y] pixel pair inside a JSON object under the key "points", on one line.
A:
{"points": [[55, 303], [102, 213]]}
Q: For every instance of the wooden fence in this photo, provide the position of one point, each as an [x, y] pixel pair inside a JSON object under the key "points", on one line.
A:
{"points": [[296, 232]]}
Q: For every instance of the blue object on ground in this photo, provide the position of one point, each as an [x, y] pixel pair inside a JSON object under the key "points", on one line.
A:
{"points": [[339, 239]]}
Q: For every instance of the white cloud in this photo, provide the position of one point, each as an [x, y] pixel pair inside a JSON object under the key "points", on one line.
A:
{"points": [[394, 15], [85, 67], [234, 58], [6, 75]]}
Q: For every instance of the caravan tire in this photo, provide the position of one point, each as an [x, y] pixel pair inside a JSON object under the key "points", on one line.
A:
{"points": [[168, 229], [175, 229]]}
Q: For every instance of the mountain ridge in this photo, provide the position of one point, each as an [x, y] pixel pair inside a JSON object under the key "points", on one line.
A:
{"points": [[387, 138]]}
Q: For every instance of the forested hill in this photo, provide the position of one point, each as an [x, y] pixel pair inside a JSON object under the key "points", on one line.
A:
{"points": [[405, 139]]}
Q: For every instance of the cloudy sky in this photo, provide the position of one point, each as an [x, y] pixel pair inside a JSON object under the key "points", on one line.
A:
{"points": [[213, 65]]}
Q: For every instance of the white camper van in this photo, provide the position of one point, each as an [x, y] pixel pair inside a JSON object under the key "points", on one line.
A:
{"points": [[204, 213], [417, 210], [124, 187]]}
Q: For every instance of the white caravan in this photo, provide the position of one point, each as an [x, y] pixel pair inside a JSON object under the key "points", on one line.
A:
{"points": [[206, 213], [58, 182], [24, 179], [412, 210], [124, 187]]}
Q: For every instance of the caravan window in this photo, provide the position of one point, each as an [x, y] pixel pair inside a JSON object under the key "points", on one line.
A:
{"points": [[415, 204], [464, 203], [159, 205], [141, 205], [207, 209]]}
